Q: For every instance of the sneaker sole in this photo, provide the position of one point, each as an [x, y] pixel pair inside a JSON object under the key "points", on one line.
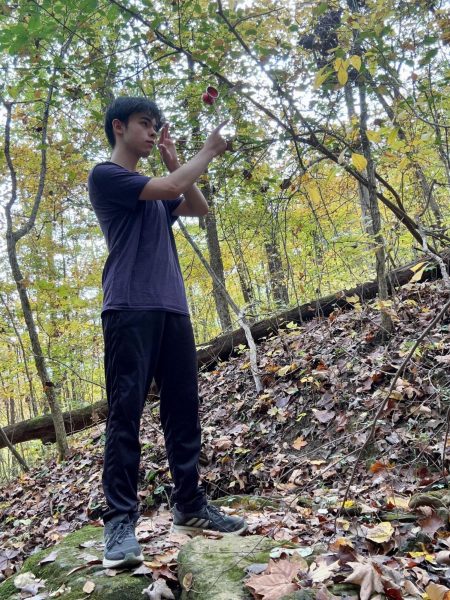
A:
{"points": [[198, 530], [130, 560]]}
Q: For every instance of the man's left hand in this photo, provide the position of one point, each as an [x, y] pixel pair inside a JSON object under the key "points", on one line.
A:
{"points": [[167, 149]]}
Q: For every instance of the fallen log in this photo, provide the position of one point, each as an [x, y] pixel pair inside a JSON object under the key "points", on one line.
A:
{"points": [[42, 428], [222, 347]]}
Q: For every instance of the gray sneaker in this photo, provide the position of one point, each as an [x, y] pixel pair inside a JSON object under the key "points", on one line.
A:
{"points": [[121, 547], [209, 517]]}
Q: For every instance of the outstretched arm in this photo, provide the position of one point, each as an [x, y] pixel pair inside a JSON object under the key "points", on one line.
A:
{"points": [[182, 179]]}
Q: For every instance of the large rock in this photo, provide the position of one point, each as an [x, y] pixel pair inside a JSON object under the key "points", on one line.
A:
{"points": [[217, 567], [57, 573]]}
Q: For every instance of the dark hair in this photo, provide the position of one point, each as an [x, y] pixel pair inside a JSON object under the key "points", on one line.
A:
{"points": [[123, 107]]}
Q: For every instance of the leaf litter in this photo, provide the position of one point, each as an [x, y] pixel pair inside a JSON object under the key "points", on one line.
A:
{"points": [[293, 446]]}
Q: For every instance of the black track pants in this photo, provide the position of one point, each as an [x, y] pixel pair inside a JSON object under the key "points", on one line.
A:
{"points": [[140, 345]]}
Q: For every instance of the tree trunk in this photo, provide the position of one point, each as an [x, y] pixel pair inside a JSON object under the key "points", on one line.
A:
{"points": [[276, 272], [12, 238], [364, 200], [379, 248], [4, 442], [215, 260]]}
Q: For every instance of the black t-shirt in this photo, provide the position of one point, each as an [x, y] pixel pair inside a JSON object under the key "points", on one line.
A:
{"points": [[142, 271]]}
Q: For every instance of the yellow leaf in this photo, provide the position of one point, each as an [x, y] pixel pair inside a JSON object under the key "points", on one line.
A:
{"points": [[338, 64], [428, 557], [258, 467], [381, 533], [359, 161], [352, 299], [314, 192], [403, 164], [320, 78], [418, 274], [374, 136], [342, 76], [355, 61], [286, 369], [392, 137], [416, 268], [398, 501]]}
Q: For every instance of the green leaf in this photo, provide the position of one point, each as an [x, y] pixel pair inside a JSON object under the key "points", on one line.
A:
{"points": [[429, 56]]}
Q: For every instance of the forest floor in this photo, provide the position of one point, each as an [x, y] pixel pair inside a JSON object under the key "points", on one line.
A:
{"points": [[296, 443]]}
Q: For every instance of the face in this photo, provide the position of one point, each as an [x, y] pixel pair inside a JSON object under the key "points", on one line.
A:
{"points": [[138, 136]]}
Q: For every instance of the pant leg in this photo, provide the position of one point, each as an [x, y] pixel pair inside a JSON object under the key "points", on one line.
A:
{"points": [[176, 377], [132, 341]]}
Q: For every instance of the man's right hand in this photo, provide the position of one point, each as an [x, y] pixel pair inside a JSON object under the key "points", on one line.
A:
{"points": [[215, 143]]}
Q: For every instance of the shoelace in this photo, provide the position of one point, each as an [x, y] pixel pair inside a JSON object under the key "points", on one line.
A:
{"points": [[211, 509], [119, 533]]}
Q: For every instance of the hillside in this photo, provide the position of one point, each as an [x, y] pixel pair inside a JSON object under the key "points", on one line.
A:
{"points": [[296, 443]]}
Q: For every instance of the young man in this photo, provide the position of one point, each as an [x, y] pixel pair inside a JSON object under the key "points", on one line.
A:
{"points": [[146, 325]]}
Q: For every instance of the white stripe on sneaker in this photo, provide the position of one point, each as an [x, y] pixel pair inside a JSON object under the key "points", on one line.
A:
{"points": [[196, 522]]}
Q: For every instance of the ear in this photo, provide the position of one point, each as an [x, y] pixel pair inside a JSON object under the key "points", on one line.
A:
{"points": [[118, 127]]}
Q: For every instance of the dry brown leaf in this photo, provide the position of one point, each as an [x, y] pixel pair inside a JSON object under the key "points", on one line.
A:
{"points": [[443, 557], [187, 581], [431, 524], [397, 502], [88, 587], [322, 572], [50, 558], [142, 570], [437, 592], [28, 582], [223, 443], [90, 559], [323, 416], [277, 580], [411, 589], [299, 443], [365, 575]]}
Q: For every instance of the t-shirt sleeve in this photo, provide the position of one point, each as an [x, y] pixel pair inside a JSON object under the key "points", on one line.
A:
{"points": [[170, 206], [118, 185]]}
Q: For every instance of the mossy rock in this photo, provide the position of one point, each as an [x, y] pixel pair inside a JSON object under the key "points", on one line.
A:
{"points": [[247, 503], [56, 573], [218, 566], [306, 594]]}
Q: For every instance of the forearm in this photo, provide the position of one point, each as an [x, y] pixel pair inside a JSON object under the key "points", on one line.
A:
{"points": [[183, 178], [195, 200]]}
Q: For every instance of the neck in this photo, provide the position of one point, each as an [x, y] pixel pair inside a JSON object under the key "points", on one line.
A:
{"points": [[124, 159]]}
